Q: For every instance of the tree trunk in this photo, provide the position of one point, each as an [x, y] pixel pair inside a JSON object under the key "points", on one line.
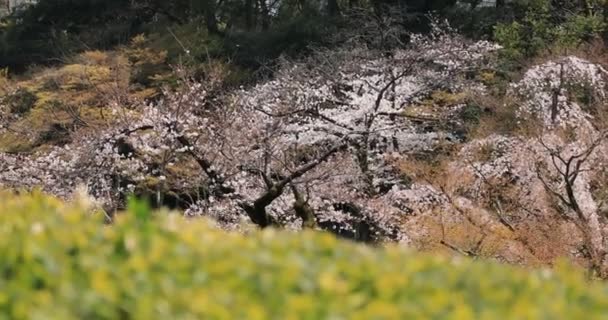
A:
{"points": [[257, 212], [248, 14], [333, 9], [265, 14], [207, 9], [605, 12], [303, 210], [210, 19]]}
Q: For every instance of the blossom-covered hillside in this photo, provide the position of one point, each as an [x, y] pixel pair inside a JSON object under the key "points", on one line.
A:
{"points": [[412, 145]]}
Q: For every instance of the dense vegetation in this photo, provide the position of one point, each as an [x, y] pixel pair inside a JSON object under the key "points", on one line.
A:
{"points": [[250, 33], [472, 129], [61, 262]]}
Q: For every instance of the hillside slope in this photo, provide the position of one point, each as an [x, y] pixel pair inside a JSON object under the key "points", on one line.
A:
{"points": [[428, 145]]}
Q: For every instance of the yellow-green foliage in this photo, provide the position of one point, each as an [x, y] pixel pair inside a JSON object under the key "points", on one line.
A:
{"points": [[444, 98], [149, 67], [61, 262], [79, 90]]}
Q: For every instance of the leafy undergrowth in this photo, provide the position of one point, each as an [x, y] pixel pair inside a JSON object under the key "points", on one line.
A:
{"points": [[47, 104], [60, 262]]}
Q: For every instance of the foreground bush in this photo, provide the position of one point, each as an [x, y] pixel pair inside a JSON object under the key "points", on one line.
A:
{"points": [[59, 263]]}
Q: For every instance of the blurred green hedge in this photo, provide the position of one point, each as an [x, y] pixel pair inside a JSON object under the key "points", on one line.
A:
{"points": [[60, 261]]}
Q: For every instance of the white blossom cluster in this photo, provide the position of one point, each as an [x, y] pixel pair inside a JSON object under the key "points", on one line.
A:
{"points": [[325, 130], [526, 172], [549, 90]]}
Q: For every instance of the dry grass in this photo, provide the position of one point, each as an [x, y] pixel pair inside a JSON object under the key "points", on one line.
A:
{"points": [[499, 116], [421, 170], [69, 96], [475, 233], [78, 95]]}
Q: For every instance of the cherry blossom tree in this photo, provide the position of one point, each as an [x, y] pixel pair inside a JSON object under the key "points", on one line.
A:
{"points": [[311, 147]]}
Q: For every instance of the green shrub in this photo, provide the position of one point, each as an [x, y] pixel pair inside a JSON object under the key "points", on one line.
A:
{"points": [[471, 114], [21, 101], [60, 262], [546, 25], [146, 63]]}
